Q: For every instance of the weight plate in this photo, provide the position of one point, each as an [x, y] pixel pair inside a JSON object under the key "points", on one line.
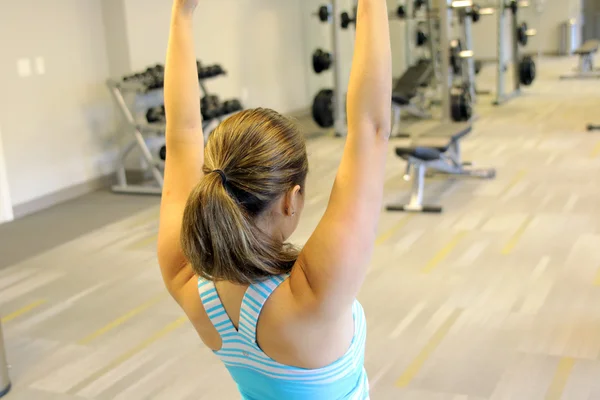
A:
{"points": [[527, 71], [324, 13], [522, 37], [322, 109]]}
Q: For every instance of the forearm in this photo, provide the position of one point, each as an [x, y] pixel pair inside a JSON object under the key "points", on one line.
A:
{"points": [[182, 92], [370, 87]]}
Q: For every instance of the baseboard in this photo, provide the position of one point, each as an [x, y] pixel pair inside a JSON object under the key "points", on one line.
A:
{"points": [[70, 193]]}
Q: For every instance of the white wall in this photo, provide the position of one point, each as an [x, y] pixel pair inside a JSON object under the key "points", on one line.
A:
{"points": [[259, 42], [6, 211], [56, 125]]}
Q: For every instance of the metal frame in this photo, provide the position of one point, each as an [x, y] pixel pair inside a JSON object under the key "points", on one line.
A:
{"points": [[585, 68], [5, 384], [501, 96], [449, 163], [153, 165]]}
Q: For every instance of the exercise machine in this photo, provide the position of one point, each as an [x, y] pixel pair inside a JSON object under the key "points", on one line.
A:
{"points": [[438, 150], [143, 91], [435, 152], [524, 68], [329, 105], [585, 68]]}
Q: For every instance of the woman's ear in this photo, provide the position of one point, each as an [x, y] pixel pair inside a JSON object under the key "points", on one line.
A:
{"points": [[292, 200]]}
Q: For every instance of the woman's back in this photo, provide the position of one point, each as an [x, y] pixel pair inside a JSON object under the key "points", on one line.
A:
{"points": [[285, 322], [258, 375]]}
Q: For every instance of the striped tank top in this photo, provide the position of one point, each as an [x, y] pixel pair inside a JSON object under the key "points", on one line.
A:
{"points": [[259, 377]]}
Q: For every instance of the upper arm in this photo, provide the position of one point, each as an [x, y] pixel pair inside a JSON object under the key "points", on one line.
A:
{"points": [[334, 261], [183, 171]]}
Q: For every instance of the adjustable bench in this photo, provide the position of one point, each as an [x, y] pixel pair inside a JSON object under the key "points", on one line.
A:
{"points": [[436, 152], [407, 88], [586, 54]]}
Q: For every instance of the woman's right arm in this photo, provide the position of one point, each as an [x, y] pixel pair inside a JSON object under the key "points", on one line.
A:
{"points": [[333, 264]]}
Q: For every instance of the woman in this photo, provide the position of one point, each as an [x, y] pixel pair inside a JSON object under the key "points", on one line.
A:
{"points": [[227, 211]]}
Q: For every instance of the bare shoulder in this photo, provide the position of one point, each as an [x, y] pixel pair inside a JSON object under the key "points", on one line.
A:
{"points": [[188, 298], [292, 330]]}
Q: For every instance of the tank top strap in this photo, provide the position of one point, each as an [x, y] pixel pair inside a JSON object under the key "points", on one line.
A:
{"points": [[255, 298], [214, 308]]}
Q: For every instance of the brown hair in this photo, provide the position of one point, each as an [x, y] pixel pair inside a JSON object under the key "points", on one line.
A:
{"points": [[262, 155]]}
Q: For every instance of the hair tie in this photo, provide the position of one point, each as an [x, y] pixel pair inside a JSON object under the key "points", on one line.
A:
{"points": [[222, 174]]}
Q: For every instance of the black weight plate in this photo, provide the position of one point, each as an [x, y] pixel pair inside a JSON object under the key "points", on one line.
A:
{"points": [[522, 37], [322, 109], [324, 13], [527, 71], [163, 153]]}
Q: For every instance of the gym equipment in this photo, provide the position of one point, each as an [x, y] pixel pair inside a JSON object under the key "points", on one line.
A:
{"points": [[406, 89], [585, 69], [329, 108], [322, 109], [134, 91], [321, 61], [347, 20], [324, 13], [527, 71], [435, 152], [523, 33], [421, 38], [162, 153], [156, 115], [523, 68], [5, 384], [592, 127], [460, 103], [455, 56]]}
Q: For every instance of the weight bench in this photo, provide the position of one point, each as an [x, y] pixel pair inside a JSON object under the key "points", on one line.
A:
{"points": [[407, 88], [585, 69], [436, 152]]}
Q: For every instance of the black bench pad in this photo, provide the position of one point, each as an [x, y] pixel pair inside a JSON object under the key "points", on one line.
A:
{"points": [[414, 77], [430, 145], [422, 153], [590, 46]]}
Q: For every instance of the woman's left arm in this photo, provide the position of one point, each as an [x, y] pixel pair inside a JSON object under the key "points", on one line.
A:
{"points": [[185, 144]]}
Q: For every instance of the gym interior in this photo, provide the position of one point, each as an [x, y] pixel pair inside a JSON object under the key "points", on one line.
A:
{"points": [[485, 281]]}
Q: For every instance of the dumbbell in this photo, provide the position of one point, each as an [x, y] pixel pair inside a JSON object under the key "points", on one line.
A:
{"points": [[211, 107], [421, 38], [347, 20], [321, 61], [156, 115], [323, 13], [162, 153], [231, 106]]}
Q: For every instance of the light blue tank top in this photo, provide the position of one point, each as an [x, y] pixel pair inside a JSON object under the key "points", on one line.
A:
{"points": [[259, 377]]}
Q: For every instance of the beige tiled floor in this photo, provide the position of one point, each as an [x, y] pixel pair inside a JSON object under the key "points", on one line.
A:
{"points": [[497, 298]]}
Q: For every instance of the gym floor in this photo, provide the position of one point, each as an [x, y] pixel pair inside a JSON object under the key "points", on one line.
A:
{"points": [[497, 298]]}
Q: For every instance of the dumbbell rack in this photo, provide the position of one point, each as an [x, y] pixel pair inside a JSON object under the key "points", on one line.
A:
{"points": [[122, 91]]}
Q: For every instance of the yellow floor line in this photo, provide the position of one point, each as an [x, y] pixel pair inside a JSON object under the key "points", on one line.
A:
{"points": [[121, 320], [384, 237], [22, 311], [443, 253], [415, 366], [518, 178], [597, 280], [561, 377], [595, 151], [130, 353], [145, 242], [516, 237]]}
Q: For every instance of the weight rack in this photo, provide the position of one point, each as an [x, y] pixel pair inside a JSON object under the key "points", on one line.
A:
{"points": [[512, 7], [129, 97]]}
